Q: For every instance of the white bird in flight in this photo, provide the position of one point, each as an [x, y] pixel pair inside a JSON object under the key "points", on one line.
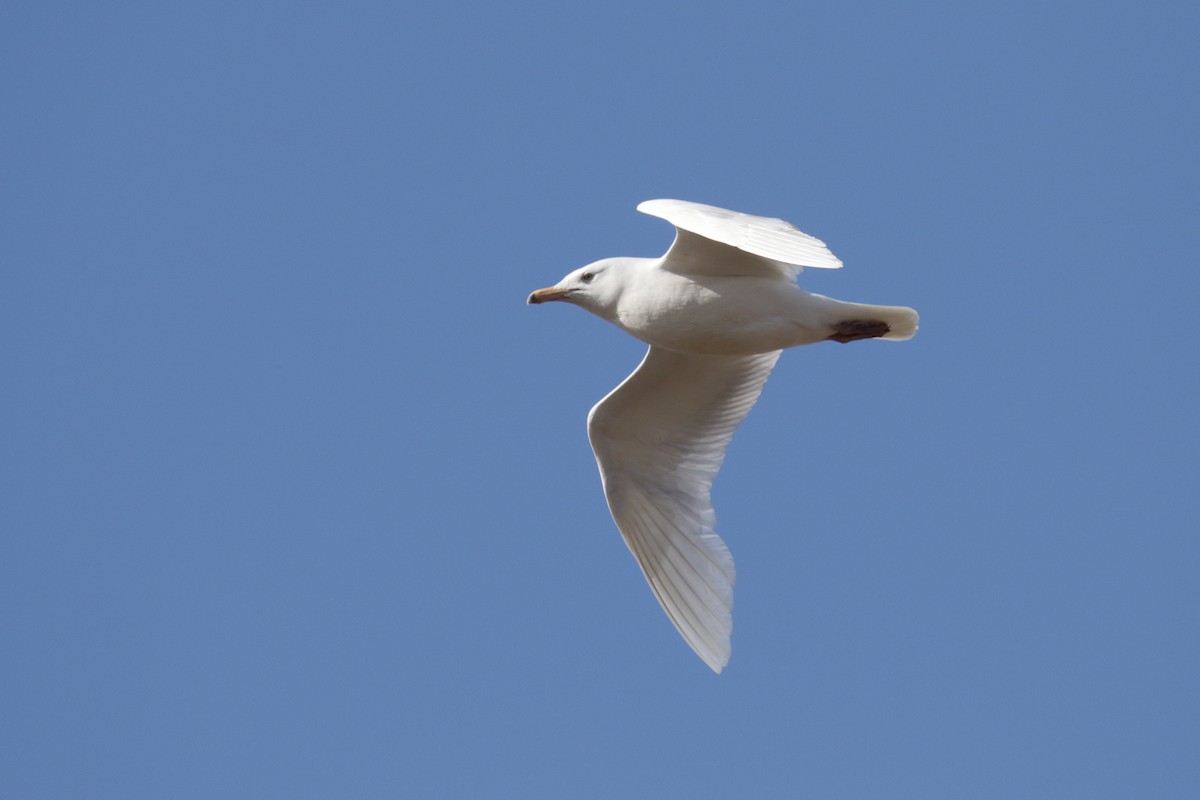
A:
{"points": [[717, 309]]}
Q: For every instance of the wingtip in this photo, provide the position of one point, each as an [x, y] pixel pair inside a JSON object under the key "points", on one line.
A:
{"points": [[714, 664], [715, 659]]}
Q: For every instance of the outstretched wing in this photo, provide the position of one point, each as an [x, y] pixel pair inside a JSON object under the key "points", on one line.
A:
{"points": [[714, 241], [659, 439]]}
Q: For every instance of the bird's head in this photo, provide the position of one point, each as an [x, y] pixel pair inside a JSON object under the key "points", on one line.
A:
{"points": [[596, 287]]}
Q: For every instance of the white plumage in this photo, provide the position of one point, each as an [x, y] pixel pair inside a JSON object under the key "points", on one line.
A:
{"points": [[716, 309]]}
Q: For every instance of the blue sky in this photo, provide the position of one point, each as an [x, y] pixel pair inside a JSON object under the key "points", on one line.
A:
{"points": [[297, 498]]}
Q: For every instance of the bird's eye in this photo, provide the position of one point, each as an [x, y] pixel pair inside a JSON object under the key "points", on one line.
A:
{"points": [[587, 277]]}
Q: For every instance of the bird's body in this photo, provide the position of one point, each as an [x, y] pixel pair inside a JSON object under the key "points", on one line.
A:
{"points": [[717, 309], [725, 314]]}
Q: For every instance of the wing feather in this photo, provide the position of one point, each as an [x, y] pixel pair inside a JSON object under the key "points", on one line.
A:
{"points": [[659, 439], [716, 241]]}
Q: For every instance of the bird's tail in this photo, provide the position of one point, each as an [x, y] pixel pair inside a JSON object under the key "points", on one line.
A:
{"points": [[851, 321], [902, 321]]}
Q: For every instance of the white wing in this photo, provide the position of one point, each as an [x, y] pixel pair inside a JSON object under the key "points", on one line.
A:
{"points": [[659, 439], [714, 241]]}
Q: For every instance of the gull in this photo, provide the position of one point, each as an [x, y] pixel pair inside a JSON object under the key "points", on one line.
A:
{"points": [[717, 309]]}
